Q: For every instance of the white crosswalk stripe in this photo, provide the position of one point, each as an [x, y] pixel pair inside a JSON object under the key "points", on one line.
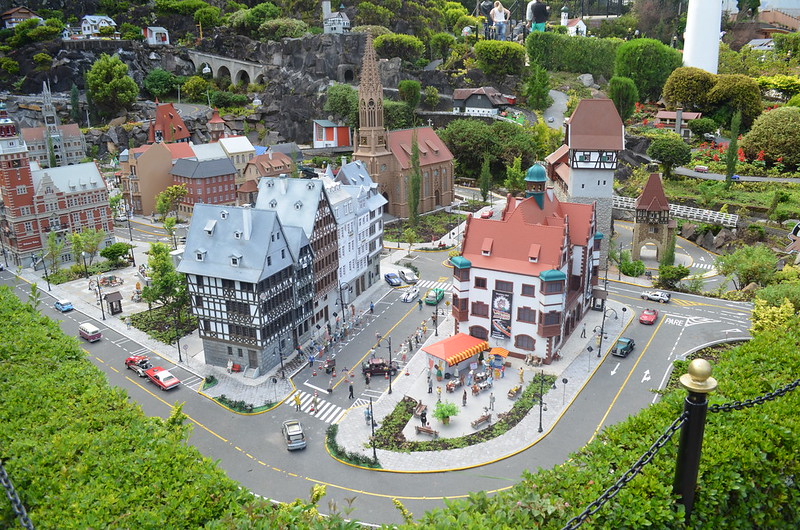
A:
{"points": [[709, 266], [325, 411], [424, 285]]}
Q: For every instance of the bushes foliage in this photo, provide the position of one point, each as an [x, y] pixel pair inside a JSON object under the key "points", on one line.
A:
{"points": [[563, 53], [497, 58], [407, 47], [623, 92], [649, 63], [775, 133]]}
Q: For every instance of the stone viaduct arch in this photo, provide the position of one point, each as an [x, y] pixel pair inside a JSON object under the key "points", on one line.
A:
{"points": [[237, 71]]}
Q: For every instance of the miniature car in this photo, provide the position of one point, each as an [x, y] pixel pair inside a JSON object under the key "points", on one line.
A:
{"points": [[434, 296], [487, 214], [735, 177], [293, 435], [701, 169], [648, 316], [163, 379], [379, 366], [63, 306], [120, 219], [623, 347], [408, 277], [410, 295], [550, 119], [656, 296], [392, 279], [139, 364]]}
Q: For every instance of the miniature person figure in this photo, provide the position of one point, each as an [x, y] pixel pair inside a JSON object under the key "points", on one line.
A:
{"points": [[367, 415], [366, 380], [371, 307], [297, 402], [314, 402], [230, 365], [464, 399], [438, 393], [430, 385], [423, 418], [419, 303], [521, 375], [330, 386], [491, 400], [583, 331], [372, 353], [351, 391]]}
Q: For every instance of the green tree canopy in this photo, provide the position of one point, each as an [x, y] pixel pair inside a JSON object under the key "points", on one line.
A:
{"points": [[415, 183], [736, 92], [485, 183], [208, 16], [749, 264], [670, 151], [623, 92], [342, 101], [159, 82], [649, 63], [406, 47], [702, 126], [109, 86], [440, 45], [114, 252], [776, 134], [195, 88], [409, 92], [167, 285], [537, 88], [281, 28], [171, 197], [515, 176], [688, 87], [669, 276], [498, 58]]}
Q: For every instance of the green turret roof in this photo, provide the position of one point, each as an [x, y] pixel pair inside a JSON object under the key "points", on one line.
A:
{"points": [[536, 173]]}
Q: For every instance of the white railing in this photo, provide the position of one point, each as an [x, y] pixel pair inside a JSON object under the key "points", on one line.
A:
{"points": [[685, 212]]}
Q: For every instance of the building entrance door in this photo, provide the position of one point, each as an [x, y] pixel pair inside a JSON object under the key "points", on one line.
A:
{"points": [[252, 358]]}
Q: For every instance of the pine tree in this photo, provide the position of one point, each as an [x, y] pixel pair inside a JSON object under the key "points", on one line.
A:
{"points": [[732, 156], [486, 178], [416, 182], [75, 105]]}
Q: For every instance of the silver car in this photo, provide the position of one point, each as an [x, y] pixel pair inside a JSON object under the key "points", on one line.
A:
{"points": [[410, 295], [293, 435], [408, 276]]}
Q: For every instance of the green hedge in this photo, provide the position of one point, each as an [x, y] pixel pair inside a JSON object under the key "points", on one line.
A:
{"points": [[498, 58], [562, 53]]}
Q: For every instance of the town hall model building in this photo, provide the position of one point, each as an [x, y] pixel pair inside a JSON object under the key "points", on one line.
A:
{"points": [[387, 154]]}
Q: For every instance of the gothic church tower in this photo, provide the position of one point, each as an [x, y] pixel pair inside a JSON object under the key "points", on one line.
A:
{"points": [[372, 148]]}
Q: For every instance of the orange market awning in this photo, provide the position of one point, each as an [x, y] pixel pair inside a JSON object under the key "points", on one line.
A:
{"points": [[502, 352], [457, 348]]}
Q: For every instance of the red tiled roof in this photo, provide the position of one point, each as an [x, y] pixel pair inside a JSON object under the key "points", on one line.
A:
{"points": [[558, 155], [595, 124], [672, 115], [432, 149], [524, 225], [215, 117], [36, 134], [170, 123], [492, 94], [249, 186], [457, 348], [180, 150], [653, 198], [267, 163]]}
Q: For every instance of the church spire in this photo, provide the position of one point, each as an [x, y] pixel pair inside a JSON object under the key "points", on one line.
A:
{"points": [[371, 132]]}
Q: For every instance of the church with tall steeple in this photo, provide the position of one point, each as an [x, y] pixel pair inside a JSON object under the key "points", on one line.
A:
{"points": [[54, 144], [387, 154]]}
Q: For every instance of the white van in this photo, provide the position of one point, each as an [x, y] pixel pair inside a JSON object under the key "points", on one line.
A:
{"points": [[89, 332]]}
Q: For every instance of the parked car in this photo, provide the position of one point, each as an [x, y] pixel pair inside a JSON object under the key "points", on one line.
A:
{"points": [[63, 306], [408, 277], [434, 296], [379, 366], [701, 169], [120, 219], [487, 214], [410, 295], [139, 364], [648, 316], [392, 279], [656, 296], [735, 177], [623, 347], [293, 435], [163, 379]]}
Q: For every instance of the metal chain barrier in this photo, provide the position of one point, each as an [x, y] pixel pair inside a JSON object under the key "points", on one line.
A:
{"points": [[769, 396], [16, 504], [629, 475]]}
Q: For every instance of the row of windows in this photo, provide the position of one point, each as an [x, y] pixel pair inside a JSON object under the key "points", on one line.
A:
{"points": [[523, 342], [499, 285]]}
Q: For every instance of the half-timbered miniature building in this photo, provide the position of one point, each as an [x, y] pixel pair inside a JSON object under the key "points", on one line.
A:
{"points": [[653, 224]]}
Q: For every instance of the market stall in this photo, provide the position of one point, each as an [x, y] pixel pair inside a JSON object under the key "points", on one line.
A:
{"points": [[451, 358]]}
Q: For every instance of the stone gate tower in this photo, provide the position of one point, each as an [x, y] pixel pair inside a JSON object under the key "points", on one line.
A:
{"points": [[653, 223]]}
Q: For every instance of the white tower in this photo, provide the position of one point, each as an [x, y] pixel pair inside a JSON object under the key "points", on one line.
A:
{"points": [[701, 39], [564, 15], [326, 9]]}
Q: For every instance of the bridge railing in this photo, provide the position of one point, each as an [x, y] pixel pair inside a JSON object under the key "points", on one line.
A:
{"points": [[684, 212]]}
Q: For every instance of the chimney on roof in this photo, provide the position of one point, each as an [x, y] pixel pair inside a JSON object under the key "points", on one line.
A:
{"points": [[247, 222], [344, 160], [678, 120]]}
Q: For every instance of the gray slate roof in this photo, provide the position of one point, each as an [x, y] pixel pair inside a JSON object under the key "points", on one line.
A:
{"points": [[295, 200], [221, 244], [186, 167], [70, 179]]}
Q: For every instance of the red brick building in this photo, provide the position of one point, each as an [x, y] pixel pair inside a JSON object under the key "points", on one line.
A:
{"points": [[208, 182]]}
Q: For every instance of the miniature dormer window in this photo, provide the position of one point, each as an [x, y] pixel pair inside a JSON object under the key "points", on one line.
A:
{"points": [[237, 234], [159, 136], [270, 183], [298, 205], [223, 214], [209, 228], [533, 253], [486, 248], [310, 185], [273, 203], [200, 254], [236, 259]]}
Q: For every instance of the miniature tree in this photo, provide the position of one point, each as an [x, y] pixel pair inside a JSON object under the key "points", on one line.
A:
{"points": [[444, 410]]}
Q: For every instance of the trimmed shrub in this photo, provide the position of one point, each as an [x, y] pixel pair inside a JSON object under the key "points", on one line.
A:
{"points": [[220, 98], [181, 7], [562, 53], [465, 20], [736, 92], [497, 58], [440, 45], [208, 16], [407, 47], [281, 28], [369, 14], [409, 92], [649, 63], [702, 126], [376, 31], [775, 133], [623, 92], [688, 87], [397, 115]]}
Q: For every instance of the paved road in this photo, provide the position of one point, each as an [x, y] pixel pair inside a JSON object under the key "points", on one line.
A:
{"points": [[250, 449]]}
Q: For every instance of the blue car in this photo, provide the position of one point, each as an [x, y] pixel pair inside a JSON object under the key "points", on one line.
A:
{"points": [[392, 279], [64, 306]]}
